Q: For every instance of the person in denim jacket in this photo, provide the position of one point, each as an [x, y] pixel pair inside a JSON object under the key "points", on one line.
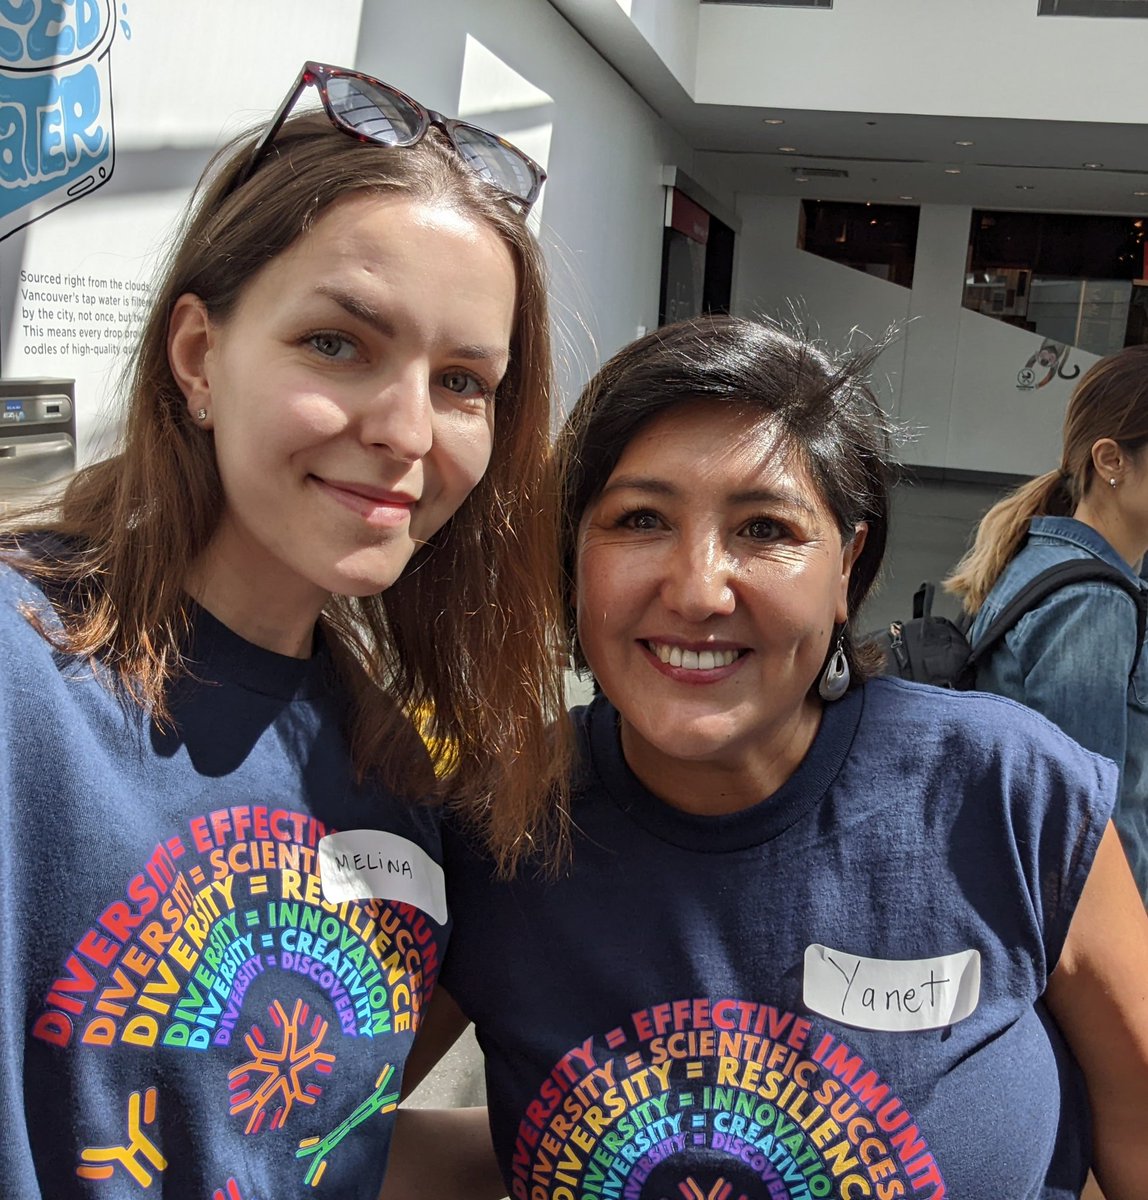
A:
{"points": [[1072, 658]]}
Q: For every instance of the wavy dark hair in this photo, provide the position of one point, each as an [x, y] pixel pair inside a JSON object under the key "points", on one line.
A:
{"points": [[466, 637], [824, 409]]}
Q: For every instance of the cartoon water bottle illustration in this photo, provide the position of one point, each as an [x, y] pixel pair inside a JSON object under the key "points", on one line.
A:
{"points": [[56, 137]]}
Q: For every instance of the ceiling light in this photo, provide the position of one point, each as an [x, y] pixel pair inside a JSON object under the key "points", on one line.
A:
{"points": [[1025, 187], [904, 197], [952, 170], [964, 143], [1140, 193], [1093, 166], [801, 178], [772, 121], [788, 149]]}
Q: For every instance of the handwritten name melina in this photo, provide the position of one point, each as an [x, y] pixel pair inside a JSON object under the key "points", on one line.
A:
{"points": [[374, 862]]}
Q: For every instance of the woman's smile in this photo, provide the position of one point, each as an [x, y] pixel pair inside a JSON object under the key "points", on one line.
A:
{"points": [[710, 577], [350, 399], [702, 664], [378, 507]]}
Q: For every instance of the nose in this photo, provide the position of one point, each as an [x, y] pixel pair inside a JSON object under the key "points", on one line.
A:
{"points": [[699, 578], [398, 414]]}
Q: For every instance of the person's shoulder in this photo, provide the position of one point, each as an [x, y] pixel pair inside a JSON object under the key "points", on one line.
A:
{"points": [[981, 722], [979, 755], [19, 593], [30, 608], [1037, 556]]}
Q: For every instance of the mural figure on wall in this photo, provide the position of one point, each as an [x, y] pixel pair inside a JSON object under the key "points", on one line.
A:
{"points": [[1052, 358], [56, 135]]}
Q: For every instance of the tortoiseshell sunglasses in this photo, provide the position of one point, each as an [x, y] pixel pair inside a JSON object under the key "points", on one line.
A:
{"points": [[373, 111]]}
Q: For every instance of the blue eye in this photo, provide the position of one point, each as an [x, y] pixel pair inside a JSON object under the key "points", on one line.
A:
{"points": [[332, 345], [466, 385]]}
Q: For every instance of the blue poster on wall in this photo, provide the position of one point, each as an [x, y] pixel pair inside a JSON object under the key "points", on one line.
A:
{"points": [[56, 132]]}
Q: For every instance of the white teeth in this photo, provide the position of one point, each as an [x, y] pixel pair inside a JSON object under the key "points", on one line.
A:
{"points": [[692, 660]]}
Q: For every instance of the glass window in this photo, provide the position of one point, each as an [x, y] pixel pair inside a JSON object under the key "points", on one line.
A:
{"points": [[1075, 280], [777, 3], [879, 239], [1093, 8]]}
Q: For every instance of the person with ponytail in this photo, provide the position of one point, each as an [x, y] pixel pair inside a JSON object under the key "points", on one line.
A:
{"points": [[1073, 658]]}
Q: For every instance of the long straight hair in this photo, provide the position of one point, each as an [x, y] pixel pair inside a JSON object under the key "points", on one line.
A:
{"points": [[1110, 401], [466, 638]]}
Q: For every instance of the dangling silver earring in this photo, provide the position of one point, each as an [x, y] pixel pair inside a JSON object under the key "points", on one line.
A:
{"points": [[202, 414], [835, 678]]}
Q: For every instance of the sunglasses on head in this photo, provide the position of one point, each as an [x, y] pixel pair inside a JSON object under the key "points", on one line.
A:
{"points": [[372, 111]]}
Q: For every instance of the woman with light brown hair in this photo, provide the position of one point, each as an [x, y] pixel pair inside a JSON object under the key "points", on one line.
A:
{"points": [[1076, 656], [223, 907]]}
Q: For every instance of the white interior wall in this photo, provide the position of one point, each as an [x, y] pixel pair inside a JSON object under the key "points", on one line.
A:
{"points": [[671, 27], [773, 278], [602, 208], [950, 378], [991, 58]]}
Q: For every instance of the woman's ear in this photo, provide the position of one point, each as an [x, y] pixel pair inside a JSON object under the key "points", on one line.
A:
{"points": [[1109, 460], [190, 335], [850, 553]]}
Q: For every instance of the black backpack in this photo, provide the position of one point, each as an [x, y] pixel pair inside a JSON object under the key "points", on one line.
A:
{"points": [[936, 650]]}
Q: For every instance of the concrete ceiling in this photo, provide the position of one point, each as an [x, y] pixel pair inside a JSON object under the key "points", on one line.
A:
{"points": [[1012, 164], [888, 156]]}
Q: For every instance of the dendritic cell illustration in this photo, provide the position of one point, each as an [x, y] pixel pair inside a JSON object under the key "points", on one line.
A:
{"points": [[318, 1149], [230, 1191], [691, 1190], [272, 1082], [101, 1162]]}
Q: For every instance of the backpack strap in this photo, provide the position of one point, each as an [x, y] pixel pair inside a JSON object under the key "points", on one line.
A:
{"points": [[1075, 570], [923, 601]]}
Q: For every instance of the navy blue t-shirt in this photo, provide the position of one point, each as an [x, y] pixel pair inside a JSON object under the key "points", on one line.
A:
{"points": [[184, 1015], [836, 993]]}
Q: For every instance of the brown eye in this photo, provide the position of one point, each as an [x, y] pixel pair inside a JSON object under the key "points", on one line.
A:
{"points": [[643, 520], [762, 529]]}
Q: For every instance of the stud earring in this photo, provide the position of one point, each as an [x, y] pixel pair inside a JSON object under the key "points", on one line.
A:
{"points": [[202, 414], [1112, 482], [835, 678]]}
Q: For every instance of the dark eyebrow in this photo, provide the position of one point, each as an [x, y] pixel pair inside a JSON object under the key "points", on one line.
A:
{"points": [[359, 309], [639, 483], [662, 487]]}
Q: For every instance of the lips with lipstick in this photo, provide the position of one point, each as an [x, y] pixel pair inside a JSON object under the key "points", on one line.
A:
{"points": [[693, 660]]}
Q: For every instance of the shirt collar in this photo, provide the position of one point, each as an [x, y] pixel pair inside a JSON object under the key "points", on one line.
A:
{"points": [[1076, 533]]}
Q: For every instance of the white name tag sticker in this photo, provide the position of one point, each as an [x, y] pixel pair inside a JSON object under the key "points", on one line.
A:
{"points": [[891, 994], [368, 864]]}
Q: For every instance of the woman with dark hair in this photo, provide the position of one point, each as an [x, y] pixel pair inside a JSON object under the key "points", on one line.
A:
{"points": [[820, 934], [1074, 657], [222, 907]]}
